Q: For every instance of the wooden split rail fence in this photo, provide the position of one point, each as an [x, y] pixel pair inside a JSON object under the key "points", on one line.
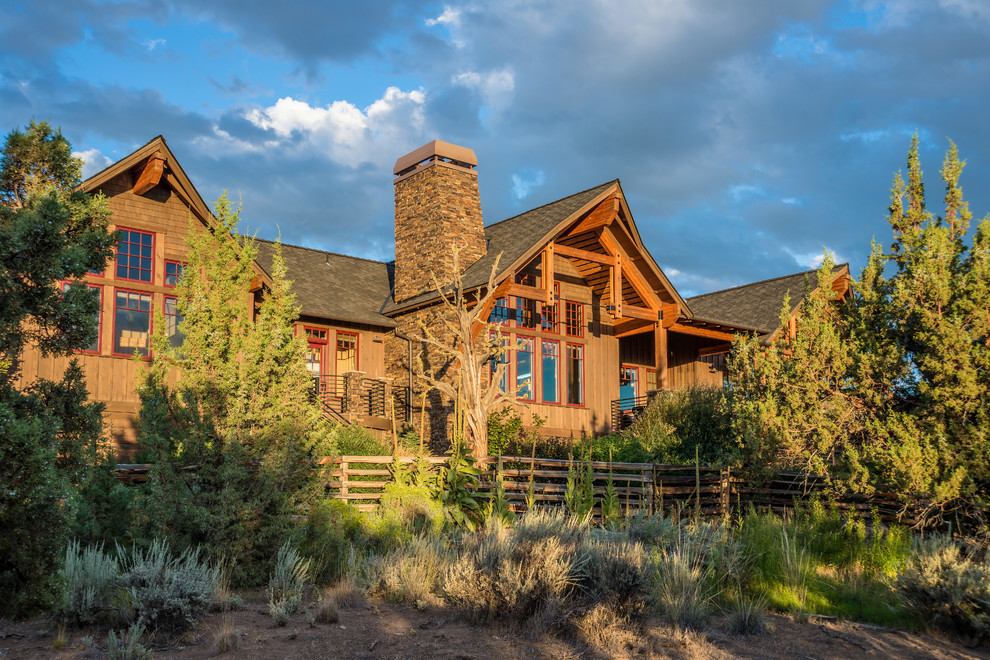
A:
{"points": [[679, 490]]}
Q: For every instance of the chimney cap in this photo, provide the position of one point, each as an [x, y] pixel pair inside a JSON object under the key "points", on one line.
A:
{"points": [[437, 149]]}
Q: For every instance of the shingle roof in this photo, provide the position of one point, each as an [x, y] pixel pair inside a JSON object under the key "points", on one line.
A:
{"points": [[333, 286], [755, 305], [512, 238]]}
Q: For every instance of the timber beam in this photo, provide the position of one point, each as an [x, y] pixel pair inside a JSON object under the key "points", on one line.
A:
{"points": [[586, 255], [600, 216], [700, 331], [631, 327], [151, 173]]}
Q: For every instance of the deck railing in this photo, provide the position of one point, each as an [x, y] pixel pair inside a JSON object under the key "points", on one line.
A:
{"points": [[626, 410]]}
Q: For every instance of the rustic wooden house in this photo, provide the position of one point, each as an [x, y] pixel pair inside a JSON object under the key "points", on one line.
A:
{"points": [[597, 323]]}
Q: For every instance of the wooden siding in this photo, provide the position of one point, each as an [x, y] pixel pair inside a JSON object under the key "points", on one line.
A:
{"points": [[685, 368], [371, 346]]}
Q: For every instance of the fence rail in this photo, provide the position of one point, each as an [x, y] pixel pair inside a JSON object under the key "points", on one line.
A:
{"points": [[673, 489]]}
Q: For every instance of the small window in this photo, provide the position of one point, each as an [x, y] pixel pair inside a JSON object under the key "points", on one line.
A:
{"points": [[95, 346], [575, 375], [551, 371], [526, 315], [525, 379], [347, 352], [573, 319], [651, 380], [173, 322], [132, 323], [135, 256], [317, 335], [551, 316], [173, 271]]}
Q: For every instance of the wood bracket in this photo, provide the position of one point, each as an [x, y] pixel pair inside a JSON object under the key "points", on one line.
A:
{"points": [[151, 173]]}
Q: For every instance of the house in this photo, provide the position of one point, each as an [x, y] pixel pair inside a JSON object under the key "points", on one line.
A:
{"points": [[596, 321]]}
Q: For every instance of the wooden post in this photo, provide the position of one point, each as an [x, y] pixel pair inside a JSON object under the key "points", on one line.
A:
{"points": [[343, 480], [660, 348]]}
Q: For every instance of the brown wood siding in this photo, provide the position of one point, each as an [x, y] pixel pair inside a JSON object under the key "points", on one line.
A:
{"points": [[371, 346], [685, 368]]}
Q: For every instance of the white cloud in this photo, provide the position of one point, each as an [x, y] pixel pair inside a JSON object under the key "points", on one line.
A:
{"points": [[814, 260], [450, 16], [524, 183], [345, 133], [93, 161], [152, 44], [495, 87]]}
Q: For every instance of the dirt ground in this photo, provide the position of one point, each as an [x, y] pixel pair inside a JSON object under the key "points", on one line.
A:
{"points": [[383, 631]]}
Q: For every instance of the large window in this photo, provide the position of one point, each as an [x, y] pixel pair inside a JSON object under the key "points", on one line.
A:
{"points": [[135, 256], [575, 375], [503, 358], [95, 346], [500, 312], [173, 271], [525, 378], [131, 323], [347, 352], [173, 322], [550, 366]]}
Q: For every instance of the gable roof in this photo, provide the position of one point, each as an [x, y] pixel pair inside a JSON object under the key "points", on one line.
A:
{"points": [[333, 286], [756, 305], [518, 238]]}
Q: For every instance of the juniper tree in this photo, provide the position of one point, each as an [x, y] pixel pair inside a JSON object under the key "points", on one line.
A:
{"points": [[50, 431]]}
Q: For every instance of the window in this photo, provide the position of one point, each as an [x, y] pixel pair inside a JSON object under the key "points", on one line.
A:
{"points": [[173, 321], [627, 384], [573, 319], [173, 271], [135, 255], [575, 375], [651, 380], [318, 335], [524, 369], [316, 343], [347, 352], [500, 312], [95, 346], [131, 323], [551, 320], [503, 384], [526, 316], [550, 366]]}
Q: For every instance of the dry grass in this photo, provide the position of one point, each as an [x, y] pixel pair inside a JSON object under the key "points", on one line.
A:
{"points": [[607, 631], [226, 637], [61, 639], [327, 612], [345, 595]]}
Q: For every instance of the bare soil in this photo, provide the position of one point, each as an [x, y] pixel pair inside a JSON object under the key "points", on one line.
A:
{"points": [[384, 631]]}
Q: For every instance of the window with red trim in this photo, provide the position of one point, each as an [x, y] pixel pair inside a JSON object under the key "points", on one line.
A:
{"points": [[173, 271], [573, 319], [551, 316], [95, 346], [550, 368], [132, 323], [173, 322], [525, 376], [347, 352], [135, 256], [575, 375], [500, 312]]}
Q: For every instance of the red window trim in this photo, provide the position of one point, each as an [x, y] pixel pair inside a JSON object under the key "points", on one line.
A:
{"points": [[316, 340], [99, 327], [165, 268], [165, 314], [116, 254], [532, 367], [580, 319], [543, 400], [357, 349], [583, 403], [151, 322]]}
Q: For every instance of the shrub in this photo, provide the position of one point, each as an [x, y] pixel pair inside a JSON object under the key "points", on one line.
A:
{"points": [[678, 423], [648, 528], [605, 628], [226, 637], [345, 595], [747, 616], [410, 573], [128, 647], [327, 612], [89, 582], [285, 587], [169, 592], [950, 590], [613, 573], [681, 589], [355, 440], [325, 539]]}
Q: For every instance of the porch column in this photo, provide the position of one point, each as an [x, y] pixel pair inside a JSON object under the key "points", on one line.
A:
{"points": [[353, 403], [660, 345]]}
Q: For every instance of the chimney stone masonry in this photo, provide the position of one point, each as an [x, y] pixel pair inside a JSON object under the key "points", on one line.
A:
{"points": [[437, 206]]}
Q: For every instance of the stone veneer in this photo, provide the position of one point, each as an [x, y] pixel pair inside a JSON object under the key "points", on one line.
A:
{"points": [[436, 207]]}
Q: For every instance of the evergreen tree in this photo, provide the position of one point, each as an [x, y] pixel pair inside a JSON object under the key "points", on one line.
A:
{"points": [[239, 412], [51, 433]]}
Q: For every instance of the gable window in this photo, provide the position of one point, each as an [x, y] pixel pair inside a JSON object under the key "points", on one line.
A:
{"points": [[550, 365], [95, 346], [500, 312], [347, 352], [573, 319], [135, 259], [551, 320], [575, 375], [173, 322], [131, 323], [525, 379], [173, 271]]}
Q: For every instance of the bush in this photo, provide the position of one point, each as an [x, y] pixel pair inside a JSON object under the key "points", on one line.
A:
{"points": [[285, 587], [355, 440], [508, 436], [410, 573], [677, 423], [950, 591], [325, 539], [169, 592], [89, 582], [128, 647]]}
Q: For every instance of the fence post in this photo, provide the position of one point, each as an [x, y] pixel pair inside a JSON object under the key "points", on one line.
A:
{"points": [[724, 492], [343, 480]]}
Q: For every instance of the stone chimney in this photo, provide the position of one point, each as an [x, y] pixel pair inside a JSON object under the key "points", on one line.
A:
{"points": [[437, 206]]}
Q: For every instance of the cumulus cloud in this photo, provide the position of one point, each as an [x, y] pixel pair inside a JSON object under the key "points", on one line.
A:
{"points": [[523, 183], [495, 87], [93, 161]]}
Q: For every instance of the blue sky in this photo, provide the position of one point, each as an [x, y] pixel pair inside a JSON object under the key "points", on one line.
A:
{"points": [[748, 136]]}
